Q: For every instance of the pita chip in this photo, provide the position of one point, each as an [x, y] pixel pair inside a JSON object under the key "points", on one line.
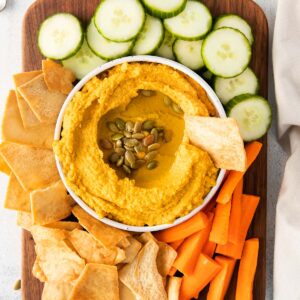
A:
{"points": [[66, 225], [97, 282], [29, 119], [173, 288], [14, 131], [4, 168], [57, 77], [44, 103], [220, 138], [125, 292], [51, 204], [37, 272], [41, 233], [132, 250], [56, 290], [16, 197], [34, 167], [24, 220]]}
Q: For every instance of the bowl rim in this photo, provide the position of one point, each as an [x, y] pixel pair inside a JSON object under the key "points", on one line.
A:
{"points": [[150, 59]]}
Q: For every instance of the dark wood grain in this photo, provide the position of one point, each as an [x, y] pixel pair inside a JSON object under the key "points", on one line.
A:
{"points": [[256, 179]]}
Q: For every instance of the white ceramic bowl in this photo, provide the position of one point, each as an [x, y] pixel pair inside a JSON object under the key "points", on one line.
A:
{"points": [[140, 58]]}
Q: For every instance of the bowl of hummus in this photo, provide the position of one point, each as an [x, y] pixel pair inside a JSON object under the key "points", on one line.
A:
{"points": [[121, 146]]}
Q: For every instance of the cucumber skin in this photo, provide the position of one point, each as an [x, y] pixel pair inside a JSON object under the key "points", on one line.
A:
{"points": [[228, 15], [119, 41], [163, 15], [238, 99], [79, 44], [207, 66]]}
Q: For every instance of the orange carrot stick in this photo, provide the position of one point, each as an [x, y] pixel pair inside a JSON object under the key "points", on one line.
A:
{"points": [[183, 230], [175, 245], [190, 249], [209, 249], [234, 177], [219, 231], [172, 271], [219, 285], [231, 250], [206, 269], [236, 214], [247, 269]]}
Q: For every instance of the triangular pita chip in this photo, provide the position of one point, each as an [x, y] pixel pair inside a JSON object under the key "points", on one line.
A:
{"points": [[24, 220], [41, 233], [44, 103], [97, 282], [37, 272], [132, 250], [14, 131], [50, 204], [125, 292], [221, 138], [142, 276], [34, 167], [16, 197], [29, 119], [66, 225], [4, 168], [57, 77], [56, 290]]}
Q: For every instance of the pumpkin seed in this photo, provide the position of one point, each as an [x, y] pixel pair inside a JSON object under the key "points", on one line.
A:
{"points": [[17, 285], [140, 154], [117, 136], [131, 142], [148, 125], [168, 136], [120, 124], [148, 140], [127, 134], [152, 164], [120, 151], [114, 157], [105, 144], [137, 127], [126, 169], [150, 155], [138, 136], [139, 163], [119, 144], [167, 101], [129, 148], [130, 157], [154, 132], [112, 127], [126, 162], [177, 108], [139, 148], [160, 129], [146, 133], [120, 161], [147, 93], [129, 126], [154, 147]]}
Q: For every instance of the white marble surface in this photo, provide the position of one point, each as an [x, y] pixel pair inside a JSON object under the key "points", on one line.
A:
{"points": [[10, 63]]}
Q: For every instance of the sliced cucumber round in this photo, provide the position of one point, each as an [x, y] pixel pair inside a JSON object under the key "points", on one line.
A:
{"points": [[226, 52], [105, 48], [165, 50], [60, 36], [253, 115], [228, 88], [193, 23], [119, 20], [164, 9], [83, 61], [150, 37], [236, 22], [188, 53]]}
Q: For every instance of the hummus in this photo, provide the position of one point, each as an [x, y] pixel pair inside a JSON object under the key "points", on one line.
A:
{"points": [[185, 173]]}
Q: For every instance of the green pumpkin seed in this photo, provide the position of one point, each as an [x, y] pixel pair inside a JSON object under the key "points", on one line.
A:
{"points": [[17, 285], [138, 136], [148, 125], [120, 124], [147, 93], [148, 140], [129, 156], [131, 142], [112, 127], [120, 151], [127, 134], [120, 161], [160, 129], [137, 127], [152, 164], [114, 157], [139, 148], [126, 169], [167, 101], [129, 148], [129, 126], [119, 144], [105, 144], [154, 132], [177, 108], [154, 147], [117, 136], [150, 155]]}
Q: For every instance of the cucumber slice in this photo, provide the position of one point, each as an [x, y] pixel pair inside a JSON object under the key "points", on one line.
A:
{"points": [[253, 115], [120, 20], [83, 61], [164, 9], [226, 52], [150, 38], [60, 36], [236, 22], [193, 23], [105, 48], [228, 88], [188, 53], [165, 50]]}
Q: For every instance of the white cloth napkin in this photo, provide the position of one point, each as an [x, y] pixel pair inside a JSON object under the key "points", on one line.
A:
{"points": [[286, 58]]}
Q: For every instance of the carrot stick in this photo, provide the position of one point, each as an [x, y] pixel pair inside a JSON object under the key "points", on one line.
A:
{"points": [[231, 250], [209, 249], [234, 177], [219, 231], [247, 269], [219, 285], [183, 230], [206, 269], [188, 252], [175, 245], [236, 214], [172, 271]]}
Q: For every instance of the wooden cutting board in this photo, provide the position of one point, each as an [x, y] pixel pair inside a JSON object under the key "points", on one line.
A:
{"points": [[256, 179]]}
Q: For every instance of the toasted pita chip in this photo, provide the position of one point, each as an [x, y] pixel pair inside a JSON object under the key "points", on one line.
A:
{"points": [[57, 291], [142, 276], [14, 131], [97, 282], [16, 197], [58, 261], [108, 236], [44, 103], [34, 167], [132, 250], [57, 77], [125, 292], [37, 272], [50, 204], [66, 225], [24, 220], [41, 233], [221, 138], [173, 288], [166, 254], [29, 119], [4, 168]]}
